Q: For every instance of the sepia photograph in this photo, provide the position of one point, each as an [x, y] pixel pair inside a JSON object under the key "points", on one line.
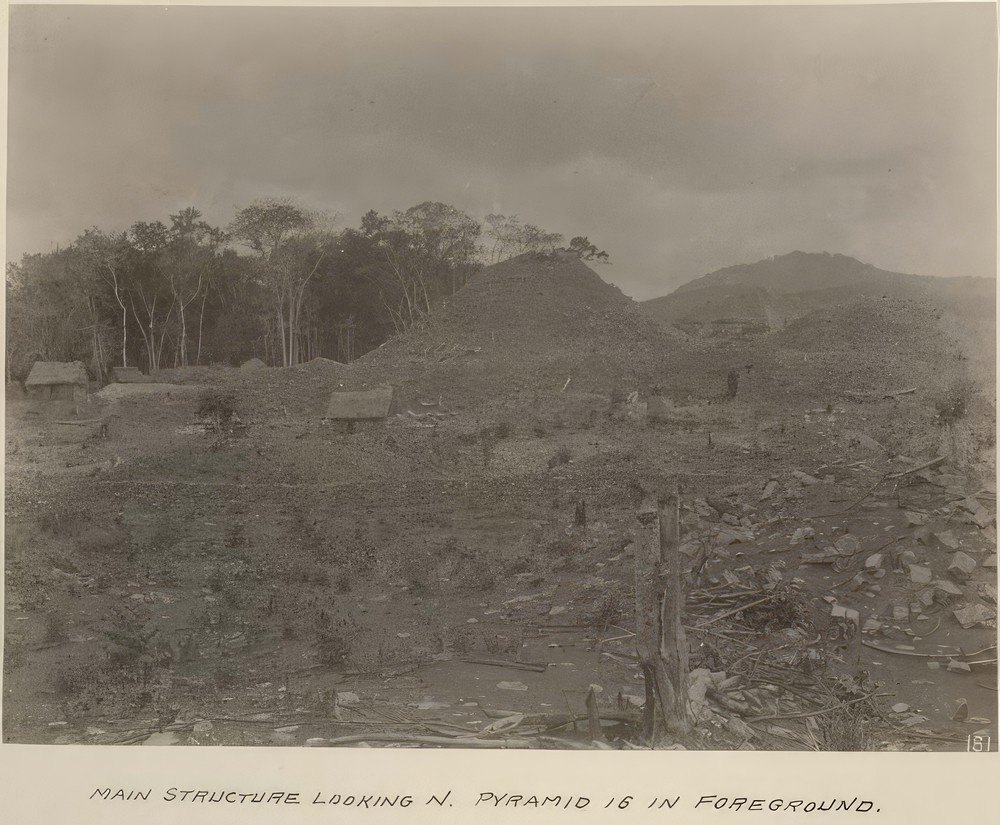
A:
{"points": [[591, 378]]}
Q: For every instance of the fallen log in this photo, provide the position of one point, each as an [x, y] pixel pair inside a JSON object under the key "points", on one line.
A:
{"points": [[440, 741], [884, 649]]}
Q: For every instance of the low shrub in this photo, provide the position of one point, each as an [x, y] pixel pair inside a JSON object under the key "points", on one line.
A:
{"points": [[561, 456], [952, 403]]}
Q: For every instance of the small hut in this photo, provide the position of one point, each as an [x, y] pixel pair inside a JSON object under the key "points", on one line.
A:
{"points": [[57, 380]]}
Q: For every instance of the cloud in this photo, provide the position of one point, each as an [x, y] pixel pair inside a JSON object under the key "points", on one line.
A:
{"points": [[679, 139]]}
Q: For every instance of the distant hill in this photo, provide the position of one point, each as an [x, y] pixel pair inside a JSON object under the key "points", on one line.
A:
{"points": [[821, 323], [764, 296]]}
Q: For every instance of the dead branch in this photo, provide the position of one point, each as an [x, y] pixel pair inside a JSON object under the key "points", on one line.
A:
{"points": [[536, 668], [923, 466]]}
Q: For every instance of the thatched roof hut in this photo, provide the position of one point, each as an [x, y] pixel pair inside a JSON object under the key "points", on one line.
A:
{"points": [[49, 380]]}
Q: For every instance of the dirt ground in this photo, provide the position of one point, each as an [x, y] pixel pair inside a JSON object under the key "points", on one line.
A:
{"points": [[211, 561], [288, 581]]}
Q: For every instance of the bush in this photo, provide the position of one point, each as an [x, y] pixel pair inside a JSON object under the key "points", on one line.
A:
{"points": [[331, 647], [732, 384], [55, 628], [478, 576], [224, 676], [130, 646], [219, 408], [952, 403], [77, 679]]}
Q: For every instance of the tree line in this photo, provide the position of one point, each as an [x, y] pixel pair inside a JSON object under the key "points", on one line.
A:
{"points": [[278, 283]]}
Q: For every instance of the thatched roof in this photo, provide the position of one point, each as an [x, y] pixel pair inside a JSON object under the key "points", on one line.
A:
{"points": [[127, 375], [351, 406], [56, 372]]}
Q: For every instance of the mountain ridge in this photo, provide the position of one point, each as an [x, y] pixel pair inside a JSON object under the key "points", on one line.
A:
{"points": [[782, 288]]}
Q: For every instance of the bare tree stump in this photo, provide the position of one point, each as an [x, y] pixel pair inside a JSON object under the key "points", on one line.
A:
{"points": [[661, 644]]}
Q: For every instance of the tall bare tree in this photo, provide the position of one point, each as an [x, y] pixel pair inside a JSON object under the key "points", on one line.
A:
{"points": [[106, 256], [291, 244]]}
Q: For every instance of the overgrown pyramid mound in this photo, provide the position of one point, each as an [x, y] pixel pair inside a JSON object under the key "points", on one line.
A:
{"points": [[868, 346], [529, 324]]}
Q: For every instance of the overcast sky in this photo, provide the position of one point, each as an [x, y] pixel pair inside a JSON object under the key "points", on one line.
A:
{"points": [[681, 140]]}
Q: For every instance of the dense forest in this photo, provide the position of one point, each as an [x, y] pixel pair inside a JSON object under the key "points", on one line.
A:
{"points": [[279, 283]]}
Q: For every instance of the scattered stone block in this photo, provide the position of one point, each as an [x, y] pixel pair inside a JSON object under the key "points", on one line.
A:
{"points": [[970, 504], [164, 738], [982, 518], [961, 567], [900, 613], [874, 561], [920, 575], [987, 592], [990, 561], [769, 489], [915, 519], [961, 711], [838, 611], [690, 548], [907, 557], [900, 707], [975, 615], [702, 509], [802, 534], [738, 727], [946, 540], [955, 666], [805, 478], [945, 590], [847, 545]]}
